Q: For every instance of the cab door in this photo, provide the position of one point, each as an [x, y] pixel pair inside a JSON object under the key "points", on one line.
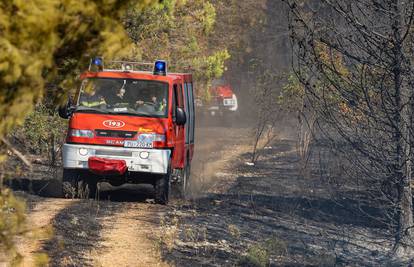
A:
{"points": [[189, 110], [179, 131]]}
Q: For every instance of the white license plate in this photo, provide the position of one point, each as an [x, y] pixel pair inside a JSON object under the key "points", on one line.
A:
{"points": [[137, 144]]}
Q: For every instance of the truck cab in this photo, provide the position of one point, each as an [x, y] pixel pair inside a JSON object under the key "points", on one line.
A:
{"points": [[127, 125]]}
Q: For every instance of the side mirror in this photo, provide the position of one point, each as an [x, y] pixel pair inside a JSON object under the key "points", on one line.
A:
{"points": [[180, 117], [66, 110]]}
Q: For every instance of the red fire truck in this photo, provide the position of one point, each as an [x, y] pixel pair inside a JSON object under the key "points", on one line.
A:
{"points": [[222, 102], [127, 125]]}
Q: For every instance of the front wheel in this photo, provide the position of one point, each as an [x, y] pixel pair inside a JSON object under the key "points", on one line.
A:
{"points": [[162, 190], [163, 187], [185, 182]]}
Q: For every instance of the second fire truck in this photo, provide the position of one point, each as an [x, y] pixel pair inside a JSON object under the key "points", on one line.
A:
{"points": [[221, 102]]}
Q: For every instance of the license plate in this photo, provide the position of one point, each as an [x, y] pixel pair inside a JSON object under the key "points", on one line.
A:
{"points": [[137, 144]]}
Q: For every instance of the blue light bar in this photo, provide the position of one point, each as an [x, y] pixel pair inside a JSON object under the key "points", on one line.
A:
{"points": [[98, 61], [160, 67], [96, 64]]}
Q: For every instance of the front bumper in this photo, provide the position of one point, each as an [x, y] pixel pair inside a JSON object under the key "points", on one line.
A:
{"points": [[76, 157]]}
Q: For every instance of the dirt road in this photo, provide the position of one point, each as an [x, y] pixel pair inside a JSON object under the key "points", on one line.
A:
{"points": [[123, 228], [272, 213]]}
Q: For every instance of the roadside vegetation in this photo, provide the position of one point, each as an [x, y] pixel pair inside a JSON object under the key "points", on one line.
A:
{"points": [[46, 44]]}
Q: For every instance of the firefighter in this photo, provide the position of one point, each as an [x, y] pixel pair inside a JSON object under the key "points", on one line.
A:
{"points": [[118, 100], [162, 105], [91, 99], [158, 105]]}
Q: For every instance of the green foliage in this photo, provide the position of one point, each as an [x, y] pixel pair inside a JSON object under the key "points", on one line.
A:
{"points": [[207, 16], [37, 35], [12, 223], [259, 255], [45, 41], [41, 129], [292, 94], [41, 259], [256, 256], [211, 67], [179, 32]]}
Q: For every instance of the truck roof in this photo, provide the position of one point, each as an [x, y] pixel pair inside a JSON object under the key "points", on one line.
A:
{"points": [[170, 77]]}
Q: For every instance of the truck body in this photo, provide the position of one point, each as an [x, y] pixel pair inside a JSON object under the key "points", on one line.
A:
{"points": [[130, 126], [222, 101]]}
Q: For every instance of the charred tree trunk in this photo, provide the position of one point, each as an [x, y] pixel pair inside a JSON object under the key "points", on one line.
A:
{"points": [[403, 132], [355, 61]]}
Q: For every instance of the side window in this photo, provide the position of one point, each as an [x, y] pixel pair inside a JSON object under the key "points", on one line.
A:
{"points": [[187, 113], [186, 98], [174, 100], [191, 110], [180, 101]]}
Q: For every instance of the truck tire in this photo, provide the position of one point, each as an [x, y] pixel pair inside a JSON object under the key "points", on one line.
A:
{"points": [[186, 180], [162, 188]]}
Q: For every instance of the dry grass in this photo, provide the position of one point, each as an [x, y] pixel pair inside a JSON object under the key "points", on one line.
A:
{"points": [[167, 235]]}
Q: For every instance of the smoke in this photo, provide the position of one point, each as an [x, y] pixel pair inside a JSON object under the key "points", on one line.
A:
{"points": [[268, 49]]}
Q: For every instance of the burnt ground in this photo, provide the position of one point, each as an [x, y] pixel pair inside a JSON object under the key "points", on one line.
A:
{"points": [[273, 214], [238, 215]]}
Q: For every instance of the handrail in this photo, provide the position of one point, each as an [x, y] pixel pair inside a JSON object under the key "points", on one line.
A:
{"points": [[130, 65]]}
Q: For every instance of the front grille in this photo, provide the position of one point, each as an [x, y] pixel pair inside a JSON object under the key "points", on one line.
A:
{"points": [[112, 133], [113, 153]]}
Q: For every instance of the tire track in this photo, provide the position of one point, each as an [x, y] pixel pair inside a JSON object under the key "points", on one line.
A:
{"points": [[40, 217], [128, 238]]}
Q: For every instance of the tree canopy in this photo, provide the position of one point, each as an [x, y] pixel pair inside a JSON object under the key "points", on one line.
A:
{"points": [[42, 38]]}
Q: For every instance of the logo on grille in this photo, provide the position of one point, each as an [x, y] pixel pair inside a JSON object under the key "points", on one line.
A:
{"points": [[114, 124]]}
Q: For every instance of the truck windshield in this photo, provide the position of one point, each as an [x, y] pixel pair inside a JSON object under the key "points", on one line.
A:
{"points": [[124, 96]]}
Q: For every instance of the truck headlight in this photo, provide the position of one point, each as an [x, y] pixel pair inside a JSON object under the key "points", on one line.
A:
{"points": [[144, 155], [81, 133], [83, 151]]}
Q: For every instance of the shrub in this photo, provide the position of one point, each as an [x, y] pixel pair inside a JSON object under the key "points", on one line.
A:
{"points": [[42, 133], [259, 255], [12, 223]]}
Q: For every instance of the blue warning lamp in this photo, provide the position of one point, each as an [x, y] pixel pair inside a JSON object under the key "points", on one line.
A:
{"points": [[97, 63], [160, 67]]}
